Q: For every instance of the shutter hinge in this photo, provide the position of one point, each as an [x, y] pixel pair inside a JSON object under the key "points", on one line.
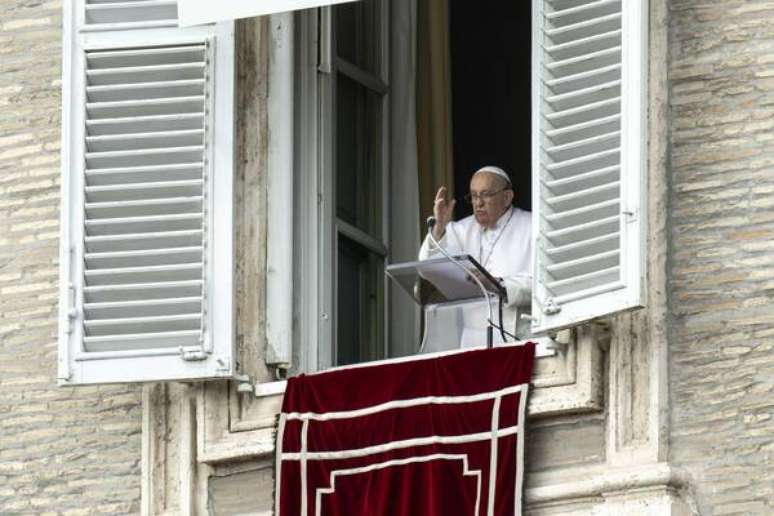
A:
{"points": [[192, 353], [551, 308], [631, 216], [72, 311]]}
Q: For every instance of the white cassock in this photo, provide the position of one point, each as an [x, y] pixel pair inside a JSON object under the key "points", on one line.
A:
{"points": [[504, 250]]}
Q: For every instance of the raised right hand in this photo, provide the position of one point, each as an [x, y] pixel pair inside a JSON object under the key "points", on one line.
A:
{"points": [[443, 210]]}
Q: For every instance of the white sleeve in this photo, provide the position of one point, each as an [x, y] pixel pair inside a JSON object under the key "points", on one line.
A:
{"points": [[429, 250], [519, 289], [519, 286]]}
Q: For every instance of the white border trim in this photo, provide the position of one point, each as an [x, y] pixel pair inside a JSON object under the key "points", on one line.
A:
{"points": [[493, 453], [303, 458], [466, 471], [517, 498], [426, 400], [488, 435]]}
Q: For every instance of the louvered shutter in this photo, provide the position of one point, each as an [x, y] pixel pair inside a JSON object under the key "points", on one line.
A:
{"points": [[589, 158], [146, 264]]}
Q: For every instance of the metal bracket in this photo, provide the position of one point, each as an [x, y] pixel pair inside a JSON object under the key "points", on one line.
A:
{"points": [[192, 354], [244, 385], [560, 339], [631, 216], [550, 307], [281, 371]]}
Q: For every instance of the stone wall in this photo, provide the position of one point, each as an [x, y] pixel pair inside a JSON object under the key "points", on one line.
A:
{"points": [[62, 451], [722, 251]]}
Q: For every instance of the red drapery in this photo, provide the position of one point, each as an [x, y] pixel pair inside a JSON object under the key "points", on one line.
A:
{"points": [[425, 436]]}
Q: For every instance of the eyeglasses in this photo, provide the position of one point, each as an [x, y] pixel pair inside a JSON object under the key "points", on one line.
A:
{"points": [[483, 196]]}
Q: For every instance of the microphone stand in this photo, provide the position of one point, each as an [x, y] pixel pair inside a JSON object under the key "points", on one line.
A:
{"points": [[489, 329]]}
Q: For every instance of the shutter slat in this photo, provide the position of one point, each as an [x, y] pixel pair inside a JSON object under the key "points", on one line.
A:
{"points": [[565, 33], [585, 113], [595, 144], [591, 284], [143, 291], [143, 141], [164, 206], [584, 45], [583, 248], [585, 265], [582, 8], [580, 198], [145, 56], [567, 131], [150, 224], [144, 308], [171, 339], [133, 325], [145, 90], [584, 214], [593, 178], [143, 157], [144, 275], [116, 15], [583, 164], [148, 123], [603, 57], [144, 257], [553, 99], [152, 185], [584, 79], [144, 174], [148, 107], [139, 241], [584, 231]]}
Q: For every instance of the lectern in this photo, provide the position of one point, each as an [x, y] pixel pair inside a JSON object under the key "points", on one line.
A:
{"points": [[459, 299]]}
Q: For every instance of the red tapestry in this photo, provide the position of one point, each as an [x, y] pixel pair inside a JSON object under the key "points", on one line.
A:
{"points": [[425, 436]]}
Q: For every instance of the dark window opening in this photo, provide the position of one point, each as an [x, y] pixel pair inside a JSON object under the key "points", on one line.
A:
{"points": [[490, 69]]}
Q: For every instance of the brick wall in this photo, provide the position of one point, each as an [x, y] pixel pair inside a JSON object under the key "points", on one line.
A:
{"points": [[722, 251], [62, 451]]}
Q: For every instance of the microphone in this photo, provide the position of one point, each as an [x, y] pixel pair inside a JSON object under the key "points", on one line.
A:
{"points": [[431, 220]]}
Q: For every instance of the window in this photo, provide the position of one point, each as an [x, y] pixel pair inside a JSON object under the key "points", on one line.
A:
{"points": [[136, 163]]}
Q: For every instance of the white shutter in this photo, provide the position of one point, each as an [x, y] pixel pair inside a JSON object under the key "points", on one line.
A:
{"points": [[193, 12], [589, 154], [147, 238]]}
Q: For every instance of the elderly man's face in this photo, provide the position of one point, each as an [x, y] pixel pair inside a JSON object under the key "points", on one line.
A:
{"points": [[491, 197]]}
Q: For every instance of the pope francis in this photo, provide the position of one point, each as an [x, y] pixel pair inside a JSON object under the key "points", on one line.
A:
{"points": [[499, 236]]}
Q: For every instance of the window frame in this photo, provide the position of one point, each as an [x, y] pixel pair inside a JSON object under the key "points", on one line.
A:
{"points": [[315, 200]]}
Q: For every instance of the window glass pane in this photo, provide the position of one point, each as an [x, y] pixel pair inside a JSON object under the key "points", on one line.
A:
{"points": [[357, 34], [360, 304], [358, 156]]}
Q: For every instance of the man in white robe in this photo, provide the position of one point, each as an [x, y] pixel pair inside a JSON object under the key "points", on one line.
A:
{"points": [[499, 237]]}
